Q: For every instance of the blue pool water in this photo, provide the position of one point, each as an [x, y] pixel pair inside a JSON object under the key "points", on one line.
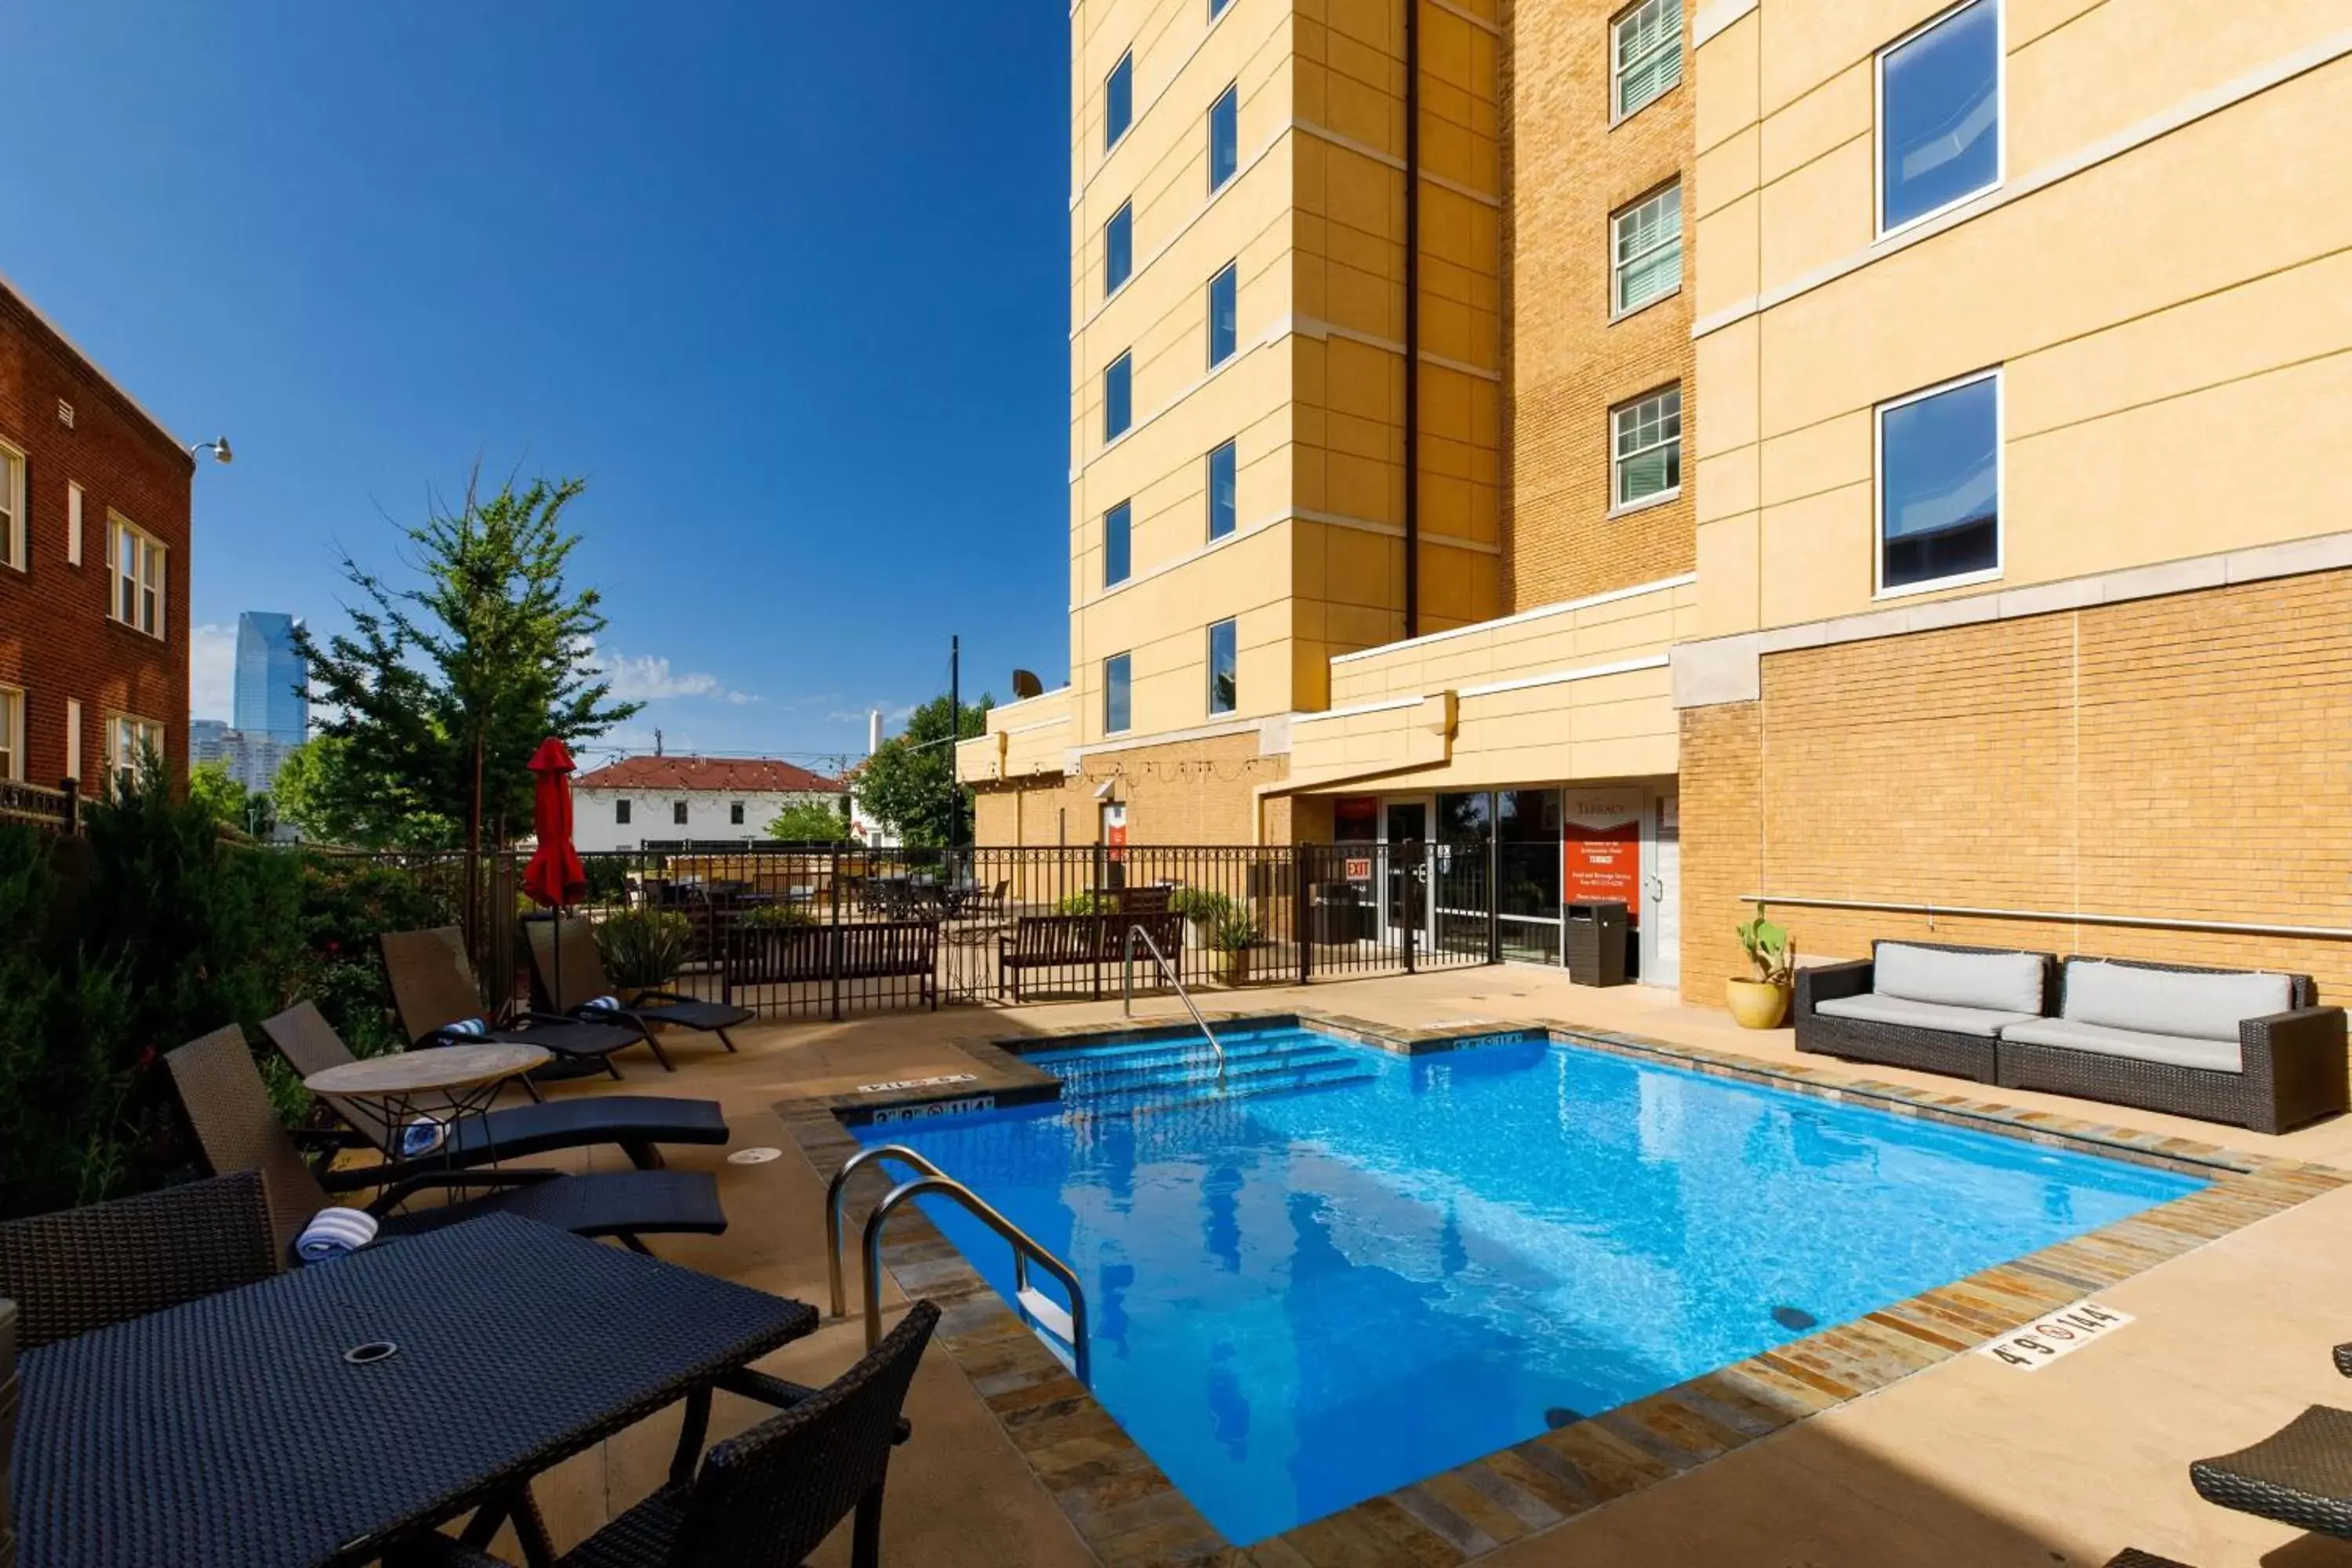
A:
{"points": [[1351, 1269]]}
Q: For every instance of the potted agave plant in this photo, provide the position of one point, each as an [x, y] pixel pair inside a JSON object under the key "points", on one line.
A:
{"points": [[1761, 1003], [1233, 936]]}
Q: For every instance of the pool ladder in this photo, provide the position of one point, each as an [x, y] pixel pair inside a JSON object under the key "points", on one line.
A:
{"points": [[1168, 972], [1042, 1311]]}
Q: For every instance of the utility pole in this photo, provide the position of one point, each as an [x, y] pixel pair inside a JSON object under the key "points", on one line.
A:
{"points": [[955, 734]]}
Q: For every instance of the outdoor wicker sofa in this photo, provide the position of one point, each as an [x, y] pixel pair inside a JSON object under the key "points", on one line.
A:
{"points": [[1922, 1004], [2226, 1044], [2222, 1044]]}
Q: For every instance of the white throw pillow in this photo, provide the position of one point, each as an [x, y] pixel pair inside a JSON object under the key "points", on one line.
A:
{"points": [[2164, 1002], [2001, 982]]}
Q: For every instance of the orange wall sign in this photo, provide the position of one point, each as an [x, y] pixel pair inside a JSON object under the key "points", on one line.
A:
{"points": [[1600, 851]]}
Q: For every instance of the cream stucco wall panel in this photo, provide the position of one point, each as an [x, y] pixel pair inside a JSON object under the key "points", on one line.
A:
{"points": [[1826, 120], [1729, 375], [1816, 555], [1807, 461], [1725, 71], [1816, 213], [1730, 574], [1724, 173], [1729, 485], [1806, 43]]}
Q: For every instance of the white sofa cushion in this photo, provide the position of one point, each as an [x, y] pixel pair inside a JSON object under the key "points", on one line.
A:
{"points": [[1902, 1010], [2001, 982], [2163, 1002], [2178, 1051]]}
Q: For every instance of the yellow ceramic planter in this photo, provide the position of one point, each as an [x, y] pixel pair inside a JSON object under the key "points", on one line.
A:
{"points": [[1756, 1003]]}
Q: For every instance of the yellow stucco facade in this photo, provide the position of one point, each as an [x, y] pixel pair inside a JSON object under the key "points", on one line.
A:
{"points": [[2140, 290]]}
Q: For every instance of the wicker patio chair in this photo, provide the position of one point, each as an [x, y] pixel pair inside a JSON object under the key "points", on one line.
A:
{"points": [[7, 1432], [432, 988], [2300, 1475], [582, 972], [767, 1498], [80, 1269], [227, 1105], [639, 1123]]}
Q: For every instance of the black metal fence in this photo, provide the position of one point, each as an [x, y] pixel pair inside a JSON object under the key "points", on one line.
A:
{"points": [[823, 931]]}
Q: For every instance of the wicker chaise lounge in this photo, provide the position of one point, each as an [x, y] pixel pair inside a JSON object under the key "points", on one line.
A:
{"points": [[2299, 1474], [2220, 1044], [432, 988], [638, 1123], [582, 972], [229, 1108], [1922, 1004]]}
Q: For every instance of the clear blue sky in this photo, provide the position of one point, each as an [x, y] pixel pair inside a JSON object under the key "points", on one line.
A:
{"points": [[785, 282]]}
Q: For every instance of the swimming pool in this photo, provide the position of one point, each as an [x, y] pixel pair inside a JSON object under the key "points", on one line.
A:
{"points": [[1351, 1269]]}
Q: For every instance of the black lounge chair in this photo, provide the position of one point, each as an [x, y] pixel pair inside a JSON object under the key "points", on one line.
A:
{"points": [[639, 1123], [432, 988], [237, 1128], [584, 978], [80, 1269], [763, 1499]]}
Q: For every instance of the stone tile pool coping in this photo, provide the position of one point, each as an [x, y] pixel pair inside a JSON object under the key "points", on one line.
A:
{"points": [[1129, 1514]]}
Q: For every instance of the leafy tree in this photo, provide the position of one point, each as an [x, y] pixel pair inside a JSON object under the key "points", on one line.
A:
{"points": [[810, 822], [313, 792], [211, 787], [909, 783], [439, 692]]}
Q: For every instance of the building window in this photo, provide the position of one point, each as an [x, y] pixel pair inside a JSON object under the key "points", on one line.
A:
{"points": [[1223, 289], [135, 563], [131, 743], [1221, 491], [1117, 526], [12, 735], [1116, 697], [621, 813], [1217, 8], [1223, 669], [1939, 485], [1118, 101], [1647, 464], [1118, 396], [1118, 249], [1224, 137], [1645, 250], [1939, 114], [1645, 54], [735, 813], [678, 813], [12, 542]]}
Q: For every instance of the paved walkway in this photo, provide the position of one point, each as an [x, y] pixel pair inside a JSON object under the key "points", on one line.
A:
{"points": [[1966, 1462]]}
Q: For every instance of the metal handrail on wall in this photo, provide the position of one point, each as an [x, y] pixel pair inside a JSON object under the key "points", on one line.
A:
{"points": [[1070, 1326], [1127, 991], [2053, 917]]}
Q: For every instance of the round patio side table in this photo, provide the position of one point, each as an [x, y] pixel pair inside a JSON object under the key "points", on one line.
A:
{"points": [[445, 1085]]}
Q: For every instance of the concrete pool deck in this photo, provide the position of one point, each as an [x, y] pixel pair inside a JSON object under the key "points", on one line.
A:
{"points": [[1964, 1461]]}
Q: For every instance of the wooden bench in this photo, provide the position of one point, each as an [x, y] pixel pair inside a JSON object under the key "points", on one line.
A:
{"points": [[1062, 941], [853, 949]]}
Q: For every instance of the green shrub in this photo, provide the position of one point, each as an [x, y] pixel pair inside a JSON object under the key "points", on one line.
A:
{"points": [[778, 917], [1204, 909], [1086, 903], [644, 949]]}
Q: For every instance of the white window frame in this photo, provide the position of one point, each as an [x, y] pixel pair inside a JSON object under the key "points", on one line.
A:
{"points": [[1618, 112], [1618, 309], [16, 538], [117, 528], [141, 732], [1878, 588], [1878, 118], [1617, 459], [12, 735]]}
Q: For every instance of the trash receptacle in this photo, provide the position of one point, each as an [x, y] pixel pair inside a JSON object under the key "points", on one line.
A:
{"points": [[1595, 940]]}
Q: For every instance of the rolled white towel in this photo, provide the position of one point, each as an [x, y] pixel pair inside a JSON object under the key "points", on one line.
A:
{"points": [[421, 1136], [333, 1231], [600, 1005], [463, 1029]]}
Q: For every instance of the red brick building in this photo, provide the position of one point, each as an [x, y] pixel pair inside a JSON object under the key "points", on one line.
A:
{"points": [[94, 540]]}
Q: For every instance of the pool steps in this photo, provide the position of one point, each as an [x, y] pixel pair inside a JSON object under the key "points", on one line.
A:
{"points": [[1151, 1079]]}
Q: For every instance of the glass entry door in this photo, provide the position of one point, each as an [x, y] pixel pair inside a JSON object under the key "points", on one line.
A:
{"points": [[1405, 881]]}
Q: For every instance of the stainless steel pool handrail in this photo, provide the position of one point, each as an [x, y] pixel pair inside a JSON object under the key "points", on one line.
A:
{"points": [[1041, 1310], [1127, 992], [849, 1168]]}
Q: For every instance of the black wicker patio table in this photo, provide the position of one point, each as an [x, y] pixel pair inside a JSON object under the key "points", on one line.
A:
{"points": [[270, 1425]]}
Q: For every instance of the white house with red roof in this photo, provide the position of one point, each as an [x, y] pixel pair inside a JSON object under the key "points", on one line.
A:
{"points": [[664, 799]]}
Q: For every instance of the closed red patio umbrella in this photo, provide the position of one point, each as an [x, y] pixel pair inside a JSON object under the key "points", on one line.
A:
{"points": [[555, 876]]}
